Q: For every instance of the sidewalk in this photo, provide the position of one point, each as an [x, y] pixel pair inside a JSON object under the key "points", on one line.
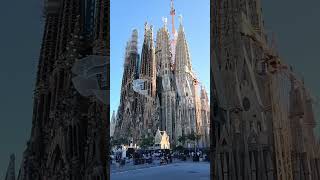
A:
{"points": [[130, 166]]}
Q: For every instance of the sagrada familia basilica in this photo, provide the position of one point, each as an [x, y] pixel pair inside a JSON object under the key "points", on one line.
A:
{"points": [[262, 113], [69, 124], [160, 90]]}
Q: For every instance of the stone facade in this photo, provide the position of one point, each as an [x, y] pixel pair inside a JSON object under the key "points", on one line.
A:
{"points": [[68, 129], [147, 72], [205, 119], [262, 120], [113, 123], [186, 110], [304, 146], [171, 100]]}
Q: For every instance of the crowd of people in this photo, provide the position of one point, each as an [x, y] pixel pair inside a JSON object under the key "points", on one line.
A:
{"points": [[163, 156]]}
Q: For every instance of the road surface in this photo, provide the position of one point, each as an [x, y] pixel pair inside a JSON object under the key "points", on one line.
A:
{"points": [[177, 171]]}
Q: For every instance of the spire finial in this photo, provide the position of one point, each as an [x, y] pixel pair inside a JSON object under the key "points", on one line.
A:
{"points": [[165, 21], [180, 18]]}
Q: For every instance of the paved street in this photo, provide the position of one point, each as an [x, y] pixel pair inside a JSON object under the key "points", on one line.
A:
{"points": [[185, 171]]}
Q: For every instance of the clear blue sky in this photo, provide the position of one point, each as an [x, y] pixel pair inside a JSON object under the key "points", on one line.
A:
{"points": [[126, 15]]}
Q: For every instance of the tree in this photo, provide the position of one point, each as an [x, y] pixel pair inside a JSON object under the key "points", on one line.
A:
{"points": [[198, 137], [182, 139], [194, 137], [122, 140], [118, 142], [146, 142], [179, 148], [115, 142]]}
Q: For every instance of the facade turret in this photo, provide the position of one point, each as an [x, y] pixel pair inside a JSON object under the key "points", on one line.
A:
{"points": [[205, 118], [148, 74], [113, 123], [148, 63], [126, 115], [165, 81], [185, 87]]}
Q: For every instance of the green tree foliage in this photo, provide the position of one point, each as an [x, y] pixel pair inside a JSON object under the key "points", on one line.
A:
{"points": [[179, 148], [193, 137], [147, 142], [182, 139], [118, 142]]}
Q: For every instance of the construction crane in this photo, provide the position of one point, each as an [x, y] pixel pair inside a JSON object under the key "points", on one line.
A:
{"points": [[172, 65], [173, 41], [272, 57], [172, 13]]}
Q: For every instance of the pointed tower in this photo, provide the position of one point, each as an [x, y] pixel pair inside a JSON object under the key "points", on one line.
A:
{"points": [[242, 99], [174, 34], [126, 115], [130, 63], [186, 120], [113, 123], [148, 63], [148, 74], [165, 83], [205, 117], [10, 175]]}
